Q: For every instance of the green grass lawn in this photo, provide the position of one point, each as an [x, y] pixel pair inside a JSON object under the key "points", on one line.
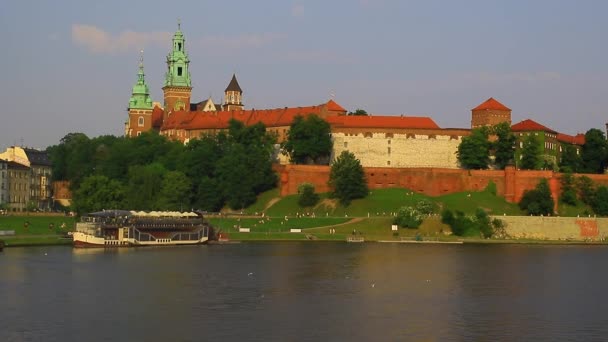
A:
{"points": [[383, 202], [262, 201], [273, 224], [37, 225]]}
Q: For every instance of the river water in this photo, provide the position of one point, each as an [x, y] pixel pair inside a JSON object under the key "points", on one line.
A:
{"points": [[303, 291]]}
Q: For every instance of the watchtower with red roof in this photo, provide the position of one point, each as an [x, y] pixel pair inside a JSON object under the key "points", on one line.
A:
{"points": [[490, 113]]}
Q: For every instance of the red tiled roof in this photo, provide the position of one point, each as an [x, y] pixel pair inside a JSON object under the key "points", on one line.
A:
{"points": [[491, 104], [578, 139], [530, 125], [351, 121], [334, 106], [220, 119], [157, 117]]}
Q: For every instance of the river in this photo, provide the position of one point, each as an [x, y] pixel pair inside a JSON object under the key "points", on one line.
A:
{"points": [[305, 291]]}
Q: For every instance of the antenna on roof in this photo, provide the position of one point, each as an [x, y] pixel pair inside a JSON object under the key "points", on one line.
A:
{"points": [[332, 95]]}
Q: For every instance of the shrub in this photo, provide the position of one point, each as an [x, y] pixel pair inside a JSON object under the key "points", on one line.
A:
{"points": [[425, 207], [308, 197], [538, 201], [408, 217]]}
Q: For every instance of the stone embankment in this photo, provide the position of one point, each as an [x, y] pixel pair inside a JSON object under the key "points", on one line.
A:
{"points": [[555, 228]]}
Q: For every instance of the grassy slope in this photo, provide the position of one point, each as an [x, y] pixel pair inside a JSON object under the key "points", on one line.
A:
{"points": [[41, 230]]}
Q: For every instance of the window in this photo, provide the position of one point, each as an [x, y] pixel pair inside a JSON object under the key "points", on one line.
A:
{"points": [[389, 142], [140, 121], [389, 150], [179, 46], [138, 133], [345, 144], [179, 71], [388, 162]]}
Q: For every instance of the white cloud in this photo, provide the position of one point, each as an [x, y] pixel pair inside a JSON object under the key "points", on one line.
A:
{"points": [[297, 10], [97, 40]]}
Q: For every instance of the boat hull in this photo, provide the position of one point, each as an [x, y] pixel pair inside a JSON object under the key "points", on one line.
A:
{"points": [[82, 240]]}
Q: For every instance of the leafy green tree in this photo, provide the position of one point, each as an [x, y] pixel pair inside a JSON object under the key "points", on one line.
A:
{"points": [[531, 153], [209, 195], [570, 160], [175, 192], [474, 150], [594, 152], [425, 207], [568, 195], [308, 197], [586, 189], [245, 169], [408, 217], [538, 201], [504, 145], [97, 193], [600, 202], [144, 186], [347, 178], [308, 140], [358, 112], [462, 225]]}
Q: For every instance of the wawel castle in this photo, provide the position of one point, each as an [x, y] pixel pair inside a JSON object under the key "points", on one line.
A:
{"points": [[377, 141]]}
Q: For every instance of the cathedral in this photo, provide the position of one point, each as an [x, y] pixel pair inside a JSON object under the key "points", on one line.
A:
{"points": [[376, 140], [179, 118]]}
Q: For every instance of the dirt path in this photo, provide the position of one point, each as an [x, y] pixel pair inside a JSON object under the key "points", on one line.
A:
{"points": [[354, 220], [271, 202]]}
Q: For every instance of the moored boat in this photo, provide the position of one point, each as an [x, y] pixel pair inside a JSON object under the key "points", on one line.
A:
{"points": [[121, 228]]}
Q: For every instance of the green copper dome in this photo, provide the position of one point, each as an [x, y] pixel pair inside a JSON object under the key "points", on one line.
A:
{"points": [[140, 97], [178, 74]]}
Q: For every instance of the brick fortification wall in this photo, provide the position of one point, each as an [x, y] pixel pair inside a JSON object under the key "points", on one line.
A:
{"points": [[556, 228], [510, 183]]}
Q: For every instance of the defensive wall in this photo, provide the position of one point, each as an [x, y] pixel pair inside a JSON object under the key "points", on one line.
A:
{"points": [[510, 183], [555, 228]]}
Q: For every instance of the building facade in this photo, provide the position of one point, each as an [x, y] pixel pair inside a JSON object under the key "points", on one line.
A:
{"points": [[3, 183]]}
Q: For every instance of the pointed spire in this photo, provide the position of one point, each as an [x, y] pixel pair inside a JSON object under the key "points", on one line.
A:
{"points": [[140, 97], [234, 85]]}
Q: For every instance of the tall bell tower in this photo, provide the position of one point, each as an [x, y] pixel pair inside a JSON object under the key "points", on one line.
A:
{"points": [[233, 95], [140, 105], [177, 88]]}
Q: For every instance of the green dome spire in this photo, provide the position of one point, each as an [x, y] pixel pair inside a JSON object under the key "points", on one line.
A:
{"points": [[140, 97], [178, 74]]}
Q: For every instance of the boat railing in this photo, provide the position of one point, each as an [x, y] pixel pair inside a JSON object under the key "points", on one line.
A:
{"points": [[177, 236]]}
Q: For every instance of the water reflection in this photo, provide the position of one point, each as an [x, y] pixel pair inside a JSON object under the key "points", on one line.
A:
{"points": [[304, 291]]}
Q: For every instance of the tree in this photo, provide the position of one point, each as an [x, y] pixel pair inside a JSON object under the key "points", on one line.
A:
{"points": [[474, 150], [408, 217], [568, 195], [600, 202], [144, 186], [97, 193], [570, 160], [531, 153], [586, 189], [175, 192], [594, 152], [308, 197], [347, 178], [504, 145], [358, 112], [538, 201], [308, 140]]}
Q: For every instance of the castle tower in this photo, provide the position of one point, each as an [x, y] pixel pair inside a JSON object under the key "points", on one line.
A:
{"points": [[178, 87], [490, 113], [140, 105], [233, 95]]}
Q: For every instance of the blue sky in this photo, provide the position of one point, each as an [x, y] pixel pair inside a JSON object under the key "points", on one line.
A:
{"points": [[68, 66]]}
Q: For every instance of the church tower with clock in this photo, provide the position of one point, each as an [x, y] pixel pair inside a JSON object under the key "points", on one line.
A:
{"points": [[178, 87]]}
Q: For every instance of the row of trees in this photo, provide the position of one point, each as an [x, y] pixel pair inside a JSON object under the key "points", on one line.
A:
{"points": [[150, 172], [475, 151]]}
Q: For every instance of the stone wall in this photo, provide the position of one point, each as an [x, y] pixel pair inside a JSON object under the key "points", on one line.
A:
{"points": [[510, 183], [376, 149], [556, 228]]}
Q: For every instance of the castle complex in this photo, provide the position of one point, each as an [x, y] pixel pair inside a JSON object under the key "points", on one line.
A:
{"points": [[377, 141]]}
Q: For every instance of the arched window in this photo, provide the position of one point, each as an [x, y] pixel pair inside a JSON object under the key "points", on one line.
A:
{"points": [[140, 121]]}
